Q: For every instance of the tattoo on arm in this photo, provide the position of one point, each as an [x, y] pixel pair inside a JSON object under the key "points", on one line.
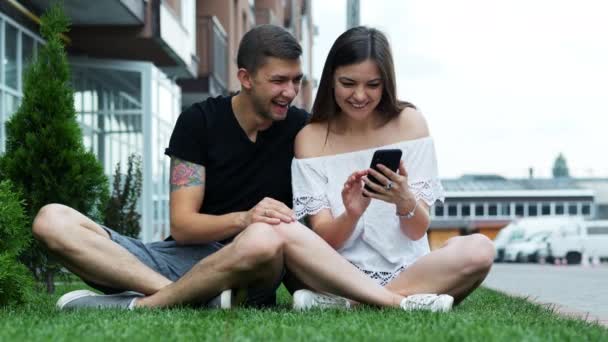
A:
{"points": [[185, 174]]}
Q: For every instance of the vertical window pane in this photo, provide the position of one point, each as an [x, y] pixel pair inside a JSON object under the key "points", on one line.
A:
{"points": [[505, 210], [466, 210], [532, 209], [546, 209], [2, 129], [27, 50], [10, 56], [559, 209], [11, 103], [572, 209], [439, 210], [519, 209], [479, 210], [452, 210], [586, 209], [492, 209]]}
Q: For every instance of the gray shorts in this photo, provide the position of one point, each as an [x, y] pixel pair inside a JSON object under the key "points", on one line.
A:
{"points": [[173, 260]]}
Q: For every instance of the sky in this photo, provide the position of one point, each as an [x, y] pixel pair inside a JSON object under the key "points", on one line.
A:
{"points": [[505, 85]]}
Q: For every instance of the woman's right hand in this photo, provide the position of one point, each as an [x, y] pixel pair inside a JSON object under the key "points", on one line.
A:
{"points": [[352, 194]]}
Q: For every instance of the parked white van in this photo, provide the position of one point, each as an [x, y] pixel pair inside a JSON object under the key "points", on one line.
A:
{"points": [[526, 250], [522, 229], [591, 241]]}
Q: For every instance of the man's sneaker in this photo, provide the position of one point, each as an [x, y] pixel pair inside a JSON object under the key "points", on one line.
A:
{"points": [[227, 299], [306, 299], [81, 299], [428, 301]]}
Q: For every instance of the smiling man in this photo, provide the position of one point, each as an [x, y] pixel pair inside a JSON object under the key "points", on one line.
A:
{"points": [[230, 182]]}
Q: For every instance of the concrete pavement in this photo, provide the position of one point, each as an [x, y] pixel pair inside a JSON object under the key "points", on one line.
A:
{"points": [[575, 290]]}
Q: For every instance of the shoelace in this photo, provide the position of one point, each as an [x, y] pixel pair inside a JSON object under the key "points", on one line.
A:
{"points": [[421, 302], [324, 299]]}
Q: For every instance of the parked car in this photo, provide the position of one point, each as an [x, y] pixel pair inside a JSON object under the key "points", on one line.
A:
{"points": [[590, 240], [527, 250], [521, 229]]}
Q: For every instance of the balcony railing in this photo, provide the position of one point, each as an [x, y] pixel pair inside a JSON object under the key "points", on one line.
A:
{"points": [[214, 54]]}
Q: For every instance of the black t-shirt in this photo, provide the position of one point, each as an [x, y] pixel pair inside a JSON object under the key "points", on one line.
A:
{"points": [[238, 172]]}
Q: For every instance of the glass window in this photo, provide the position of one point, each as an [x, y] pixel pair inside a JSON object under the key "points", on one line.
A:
{"points": [[493, 209], [10, 56], [11, 103], [466, 210], [439, 210], [572, 209], [586, 209], [546, 209], [2, 133], [27, 50], [505, 210], [602, 230], [452, 210], [559, 209], [479, 210], [519, 209], [532, 209]]}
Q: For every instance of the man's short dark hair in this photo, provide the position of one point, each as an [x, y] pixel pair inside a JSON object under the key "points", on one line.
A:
{"points": [[266, 41]]}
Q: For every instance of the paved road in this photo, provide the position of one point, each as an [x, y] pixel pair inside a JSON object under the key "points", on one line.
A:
{"points": [[576, 290]]}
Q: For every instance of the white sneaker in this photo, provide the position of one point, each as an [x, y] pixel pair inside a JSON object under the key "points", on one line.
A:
{"points": [[228, 299], [81, 299], [428, 301], [306, 299]]}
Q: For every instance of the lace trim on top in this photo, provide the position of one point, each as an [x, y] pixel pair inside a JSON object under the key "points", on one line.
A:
{"points": [[429, 191], [309, 205], [382, 278]]}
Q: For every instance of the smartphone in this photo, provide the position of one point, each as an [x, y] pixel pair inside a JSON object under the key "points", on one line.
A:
{"points": [[387, 157]]}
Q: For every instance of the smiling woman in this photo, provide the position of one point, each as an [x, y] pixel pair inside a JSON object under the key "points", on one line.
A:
{"points": [[378, 227]]}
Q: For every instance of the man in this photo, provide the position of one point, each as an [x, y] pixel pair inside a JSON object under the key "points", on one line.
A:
{"points": [[230, 168]]}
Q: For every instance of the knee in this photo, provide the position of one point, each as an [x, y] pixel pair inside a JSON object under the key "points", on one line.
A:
{"points": [[48, 223], [479, 252], [259, 246]]}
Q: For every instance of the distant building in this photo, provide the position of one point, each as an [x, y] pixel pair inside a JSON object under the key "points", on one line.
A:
{"points": [[487, 203]]}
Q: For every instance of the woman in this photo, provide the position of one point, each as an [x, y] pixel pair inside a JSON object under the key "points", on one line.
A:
{"points": [[382, 231]]}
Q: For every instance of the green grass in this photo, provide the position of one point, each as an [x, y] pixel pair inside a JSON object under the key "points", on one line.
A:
{"points": [[485, 315]]}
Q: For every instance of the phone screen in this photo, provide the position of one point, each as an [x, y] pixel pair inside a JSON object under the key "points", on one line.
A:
{"points": [[387, 157]]}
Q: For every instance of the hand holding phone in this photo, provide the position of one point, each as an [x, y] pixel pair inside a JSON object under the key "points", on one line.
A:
{"points": [[387, 157]]}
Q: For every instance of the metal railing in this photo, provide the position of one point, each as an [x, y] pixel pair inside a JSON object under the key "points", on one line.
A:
{"points": [[214, 59]]}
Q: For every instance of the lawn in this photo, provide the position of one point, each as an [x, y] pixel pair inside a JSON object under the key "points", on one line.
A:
{"points": [[485, 315]]}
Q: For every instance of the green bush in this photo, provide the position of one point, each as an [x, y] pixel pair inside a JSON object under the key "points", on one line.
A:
{"points": [[16, 282], [45, 157], [121, 212]]}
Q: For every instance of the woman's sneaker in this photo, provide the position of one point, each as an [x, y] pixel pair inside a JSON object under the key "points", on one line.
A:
{"points": [[428, 301], [228, 299], [306, 300]]}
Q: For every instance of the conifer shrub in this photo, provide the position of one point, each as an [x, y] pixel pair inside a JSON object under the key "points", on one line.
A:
{"points": [[45, 157]]}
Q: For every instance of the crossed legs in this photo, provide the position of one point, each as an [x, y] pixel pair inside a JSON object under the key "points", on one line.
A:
{"points": [[255, 257], [457, 268]]}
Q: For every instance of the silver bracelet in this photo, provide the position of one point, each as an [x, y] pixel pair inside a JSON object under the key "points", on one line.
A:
{"points": [[410, 214]]}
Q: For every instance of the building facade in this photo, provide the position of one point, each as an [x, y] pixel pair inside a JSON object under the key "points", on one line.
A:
{"points": [[136, 64], [487, 203]]}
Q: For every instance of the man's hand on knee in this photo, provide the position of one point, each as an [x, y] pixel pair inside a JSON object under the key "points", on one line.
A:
{"points": [[269, 211]]}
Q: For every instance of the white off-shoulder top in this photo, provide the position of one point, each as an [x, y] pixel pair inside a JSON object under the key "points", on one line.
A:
{"points": [[377, 246]]}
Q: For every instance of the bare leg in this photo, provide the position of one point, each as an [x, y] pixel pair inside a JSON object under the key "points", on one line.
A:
{"points": [[319, 266], [255, 257], [86, 249], [457, 268]]}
